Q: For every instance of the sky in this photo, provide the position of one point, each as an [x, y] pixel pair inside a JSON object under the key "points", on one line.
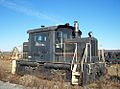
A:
{"points": [[102, 17]]}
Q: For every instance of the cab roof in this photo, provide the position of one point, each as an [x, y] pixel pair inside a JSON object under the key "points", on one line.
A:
{"points": [[51, 28]]}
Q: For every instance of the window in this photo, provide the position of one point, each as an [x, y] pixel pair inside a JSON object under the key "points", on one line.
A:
{"points": [[65, 35], [45, 38], [59, 37], [40, 38]]}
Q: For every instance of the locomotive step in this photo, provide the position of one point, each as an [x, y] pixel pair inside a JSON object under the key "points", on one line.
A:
{"points": [[76, 73]]}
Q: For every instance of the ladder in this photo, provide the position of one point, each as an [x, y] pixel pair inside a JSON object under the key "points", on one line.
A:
{"points": [[74, 68]]}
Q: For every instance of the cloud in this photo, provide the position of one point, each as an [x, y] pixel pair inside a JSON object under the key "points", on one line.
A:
{"points": [[12, 5]]}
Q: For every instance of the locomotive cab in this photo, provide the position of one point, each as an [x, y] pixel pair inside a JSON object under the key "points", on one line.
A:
{"points": [[45, 42]]}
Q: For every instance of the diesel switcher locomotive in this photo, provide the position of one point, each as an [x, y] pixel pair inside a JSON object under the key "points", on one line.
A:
{"points": [[61, 49]]}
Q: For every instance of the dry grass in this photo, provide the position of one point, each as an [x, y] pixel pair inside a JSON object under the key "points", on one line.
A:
{"points": [[34, 82], [111, 81]]}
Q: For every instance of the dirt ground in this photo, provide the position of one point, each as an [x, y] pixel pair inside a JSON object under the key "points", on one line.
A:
{"points": [[9, 81]]}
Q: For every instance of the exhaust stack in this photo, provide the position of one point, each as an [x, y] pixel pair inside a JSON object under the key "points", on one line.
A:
{"points": [[77, 31]]}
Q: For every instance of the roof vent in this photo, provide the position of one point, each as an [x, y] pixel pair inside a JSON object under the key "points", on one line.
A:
{"points": [[42, 26]]}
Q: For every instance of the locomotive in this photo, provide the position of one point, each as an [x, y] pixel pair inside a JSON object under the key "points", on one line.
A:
{"points": [[61, 48]]}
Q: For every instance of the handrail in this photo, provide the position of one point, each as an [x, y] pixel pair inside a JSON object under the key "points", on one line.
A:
{"points": [[85, 55], [102, 56], [83, 58], [64, 49], [75, 55]]}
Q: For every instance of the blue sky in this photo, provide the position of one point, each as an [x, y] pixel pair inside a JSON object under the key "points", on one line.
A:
{"points": [[102, 17]]}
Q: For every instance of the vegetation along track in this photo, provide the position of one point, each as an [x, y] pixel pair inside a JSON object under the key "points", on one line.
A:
{"points": [[111, 80]]}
